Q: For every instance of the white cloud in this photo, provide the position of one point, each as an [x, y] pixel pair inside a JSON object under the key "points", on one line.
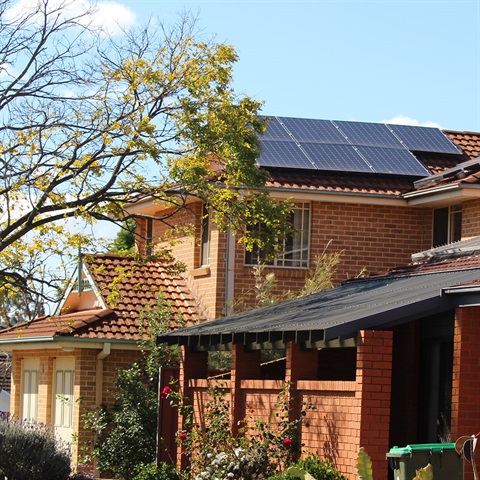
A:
{"points": [[404, 120], [109, 18]]}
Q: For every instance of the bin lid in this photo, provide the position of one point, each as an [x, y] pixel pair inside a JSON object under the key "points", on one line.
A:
{"points": [[421, 447]]}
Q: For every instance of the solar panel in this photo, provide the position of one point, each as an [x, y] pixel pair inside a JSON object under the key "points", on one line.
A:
{"points": [[283, 154], [350, 146], [275, 131], [423, 139], [393, 161], [369, 134], [343, 158], [318, 131]]}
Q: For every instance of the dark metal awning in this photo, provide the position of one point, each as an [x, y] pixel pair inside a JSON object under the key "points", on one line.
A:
{"points": [[333, 317]]}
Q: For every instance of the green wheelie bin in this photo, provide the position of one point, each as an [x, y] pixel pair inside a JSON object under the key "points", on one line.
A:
{"points": [[446, 462]]}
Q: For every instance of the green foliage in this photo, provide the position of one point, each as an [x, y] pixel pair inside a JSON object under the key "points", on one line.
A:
{"points": [[146, 110], [30, 451], [152, 471], [124, 242], [320, 278], [125, 432], [320, 469], [364, 465]]}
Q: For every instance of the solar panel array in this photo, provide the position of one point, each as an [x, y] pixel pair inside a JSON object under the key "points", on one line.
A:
{"points": [[350, 146]]}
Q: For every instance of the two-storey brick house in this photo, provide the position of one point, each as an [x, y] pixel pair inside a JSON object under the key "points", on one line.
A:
{"points": [[373, 214], [361, 200]]}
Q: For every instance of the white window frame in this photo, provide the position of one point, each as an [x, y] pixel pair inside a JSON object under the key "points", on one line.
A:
{"points": [[454, 214], [205, 233], [298, 255]]}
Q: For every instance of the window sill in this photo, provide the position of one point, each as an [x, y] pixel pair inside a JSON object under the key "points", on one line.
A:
{"points": [[200, 272]]}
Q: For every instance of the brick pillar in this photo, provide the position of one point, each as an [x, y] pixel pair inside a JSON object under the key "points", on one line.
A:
{"points": [[245, 365], [301, 364], [466, 376], [374, 375], [192, 365]]}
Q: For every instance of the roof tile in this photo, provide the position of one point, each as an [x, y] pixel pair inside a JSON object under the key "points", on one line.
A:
{"points": [[128, 287]]}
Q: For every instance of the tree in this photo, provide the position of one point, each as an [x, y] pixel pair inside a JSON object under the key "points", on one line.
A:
{"points": [[124, 242], [91, 123]]}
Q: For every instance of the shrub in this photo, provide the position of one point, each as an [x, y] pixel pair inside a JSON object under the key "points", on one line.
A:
{"points": [[152, 471], [30, 451], [320, 469]]}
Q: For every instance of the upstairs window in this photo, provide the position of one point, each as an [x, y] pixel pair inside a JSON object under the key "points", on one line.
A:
{"points": [[296, 249], [205, 238], [447, 225]]}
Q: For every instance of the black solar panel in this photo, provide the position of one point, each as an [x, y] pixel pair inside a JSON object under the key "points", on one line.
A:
{"points": [[318, 131], [369, 134], [275, 131], [283, 154], [423, 139], [350, 146], [393, 160], [343, 158]]}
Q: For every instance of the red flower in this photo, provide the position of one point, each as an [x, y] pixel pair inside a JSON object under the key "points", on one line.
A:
{"points": [[287, 442], [182, 436], [165, 392]]}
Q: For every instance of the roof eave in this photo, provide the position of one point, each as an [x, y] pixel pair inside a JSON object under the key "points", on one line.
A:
{"points": [[36, 343], [444, 195]]}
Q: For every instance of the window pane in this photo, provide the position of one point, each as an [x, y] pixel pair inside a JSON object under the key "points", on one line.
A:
{"points": [[295, 248]]}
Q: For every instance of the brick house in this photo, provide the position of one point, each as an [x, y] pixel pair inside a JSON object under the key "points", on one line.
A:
{"points": [[367, 207], [387, 360], [376, 219], [58, 360]]}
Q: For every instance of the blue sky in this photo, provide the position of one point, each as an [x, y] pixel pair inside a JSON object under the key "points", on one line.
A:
{"points": [[349, 59]]}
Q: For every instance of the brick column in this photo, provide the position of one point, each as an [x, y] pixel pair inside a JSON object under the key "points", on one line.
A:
{"points": [[301, 364], [374, 375], [192, 365], [245, 365], [466, 376]]}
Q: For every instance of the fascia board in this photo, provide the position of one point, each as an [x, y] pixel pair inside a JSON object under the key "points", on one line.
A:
{"points": [[445, 195]]}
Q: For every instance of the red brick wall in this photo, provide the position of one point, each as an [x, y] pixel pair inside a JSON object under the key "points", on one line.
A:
{"points": [[466, 376], [374, 237], [84, 388], [348, 414], [471, 219]]}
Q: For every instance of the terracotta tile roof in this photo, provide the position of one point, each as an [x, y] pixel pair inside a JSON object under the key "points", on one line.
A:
{"points": [[469, 142], [324, 181], [127, 287]]}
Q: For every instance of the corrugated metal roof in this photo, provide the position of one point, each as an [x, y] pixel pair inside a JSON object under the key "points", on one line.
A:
{"points": [[338, 313]]}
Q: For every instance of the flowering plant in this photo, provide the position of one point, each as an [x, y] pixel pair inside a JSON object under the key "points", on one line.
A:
{"points": [[260, 450]]}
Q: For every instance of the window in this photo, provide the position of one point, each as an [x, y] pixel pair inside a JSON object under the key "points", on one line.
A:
{"points": [[205, 238], [30, 389], [295, 249], [447, 225]]}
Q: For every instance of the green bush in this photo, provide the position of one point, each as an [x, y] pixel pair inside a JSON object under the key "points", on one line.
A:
{"points": [[31, 452], [153, 472], [320, 469]]}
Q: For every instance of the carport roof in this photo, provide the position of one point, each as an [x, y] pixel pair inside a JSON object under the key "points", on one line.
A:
{"points": [[334, 317]]}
